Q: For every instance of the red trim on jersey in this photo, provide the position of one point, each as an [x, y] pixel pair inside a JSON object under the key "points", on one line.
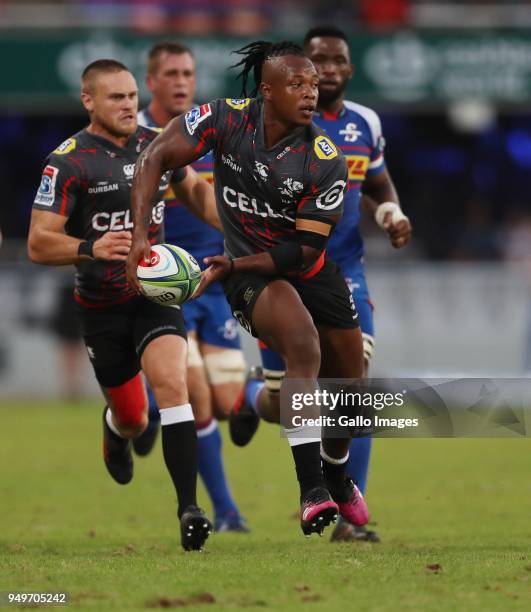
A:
{"points": [[329, 116], [303, 200], [85, 304], [355, 148], [202, 142], [316, 268], [262, 345], [64, 198]]}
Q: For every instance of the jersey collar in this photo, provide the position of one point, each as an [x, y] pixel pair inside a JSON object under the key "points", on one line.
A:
{"points": [[331, 116], [260, 136], [150, 122], [110, 147]]}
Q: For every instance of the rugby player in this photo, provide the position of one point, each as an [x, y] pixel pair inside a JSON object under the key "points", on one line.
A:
{"points": [[280, 284], [81, 215], [216, 366], [356, 130]]}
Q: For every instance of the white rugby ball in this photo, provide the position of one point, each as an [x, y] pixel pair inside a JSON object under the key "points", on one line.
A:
{"points": [[170, 277]]}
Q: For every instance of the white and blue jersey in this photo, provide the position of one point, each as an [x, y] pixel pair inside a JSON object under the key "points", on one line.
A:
{"points": [[209, 315], [357, 131]]}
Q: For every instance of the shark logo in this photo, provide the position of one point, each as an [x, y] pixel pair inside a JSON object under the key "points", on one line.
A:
{"points": [[290, 189]]}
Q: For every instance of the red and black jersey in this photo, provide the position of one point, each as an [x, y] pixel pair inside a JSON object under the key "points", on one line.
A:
{"points": [[88, 179], [262, 193]]}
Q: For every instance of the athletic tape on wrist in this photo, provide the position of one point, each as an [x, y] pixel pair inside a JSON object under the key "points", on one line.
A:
{"points": [[389, 207]]}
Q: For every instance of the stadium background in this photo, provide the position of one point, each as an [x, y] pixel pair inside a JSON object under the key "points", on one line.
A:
{"points": [[452, 83]]}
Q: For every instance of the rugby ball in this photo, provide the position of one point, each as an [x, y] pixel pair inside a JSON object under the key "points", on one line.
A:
{"points": [[170, 277]]}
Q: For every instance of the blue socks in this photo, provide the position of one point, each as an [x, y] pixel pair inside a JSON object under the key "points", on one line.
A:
{"points": [[358, 461], [252, 390], [211, 470]]}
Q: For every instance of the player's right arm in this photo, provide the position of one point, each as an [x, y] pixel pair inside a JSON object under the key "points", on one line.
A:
{"points": [[49, 244], [56, 198], [170, 150]]}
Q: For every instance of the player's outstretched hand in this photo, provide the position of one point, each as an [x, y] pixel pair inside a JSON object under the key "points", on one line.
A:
{"points": [[112, 246], [219, 267], [399, 233], [140, 248]]}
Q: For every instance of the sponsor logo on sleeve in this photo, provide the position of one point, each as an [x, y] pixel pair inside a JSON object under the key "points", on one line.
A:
{"points": [[66, 147], [46, 193], [332, 197], [324, 148], [357, 167], [195, 116], [238, 104]]}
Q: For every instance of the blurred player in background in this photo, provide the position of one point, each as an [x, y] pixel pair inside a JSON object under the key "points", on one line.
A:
{"points": [[66, 328], [216, 366], [275, 273], [81, 215], [356, 130]]}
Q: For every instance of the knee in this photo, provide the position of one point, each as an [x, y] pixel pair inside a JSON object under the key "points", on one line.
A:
{"points": [[132, 428], [170, 390], [129, 403]]}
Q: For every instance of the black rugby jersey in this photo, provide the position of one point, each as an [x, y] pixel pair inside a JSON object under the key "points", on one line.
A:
{"points": [[88, 179], [261, 192]]}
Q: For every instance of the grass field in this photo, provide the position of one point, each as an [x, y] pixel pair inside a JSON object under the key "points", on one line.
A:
{"points": [[454, 517]]}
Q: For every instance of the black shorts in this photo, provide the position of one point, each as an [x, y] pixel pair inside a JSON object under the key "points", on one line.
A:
{"points": [[116, 337], [325, 295]]}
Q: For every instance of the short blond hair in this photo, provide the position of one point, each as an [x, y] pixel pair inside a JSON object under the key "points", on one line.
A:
{"points": [[101, 66]]}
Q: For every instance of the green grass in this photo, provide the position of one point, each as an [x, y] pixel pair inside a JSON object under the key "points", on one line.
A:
{"points": [[464, 505]]}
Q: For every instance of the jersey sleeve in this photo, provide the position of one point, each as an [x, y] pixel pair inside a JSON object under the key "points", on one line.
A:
{"points": [[59, 186], [203, 125], [322, 204], [376, 158]]}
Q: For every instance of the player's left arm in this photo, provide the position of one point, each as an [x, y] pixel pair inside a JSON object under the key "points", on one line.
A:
{"points": [[381, 199], [379, 195], [199, 197]]}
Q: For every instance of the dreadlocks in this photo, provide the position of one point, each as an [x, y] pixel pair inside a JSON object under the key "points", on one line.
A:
{"points": [[255, 54]]}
